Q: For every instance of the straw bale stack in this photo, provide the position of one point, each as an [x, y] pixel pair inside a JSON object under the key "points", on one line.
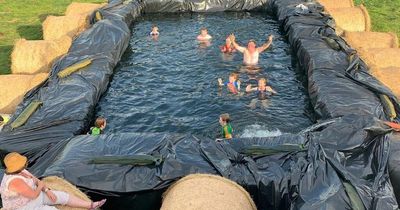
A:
{"points": [[60, 184], [31, 57], [54, 27], [352, 19], [389, 77], [14, 87], [381, 57], [367, 40], [333, 4], [76, 8], [204, 191]]}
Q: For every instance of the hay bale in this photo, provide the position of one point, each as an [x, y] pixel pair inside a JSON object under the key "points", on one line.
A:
{"points": [[381, 57], [31, 57], [76, 8], [54, 27], [14, 87], [367, 40], [60, 184], [333, 4], [389, 77], [204, 191], [352, 19]]}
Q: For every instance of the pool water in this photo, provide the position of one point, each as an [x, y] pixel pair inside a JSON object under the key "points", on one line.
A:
{"points": [[169, 84]]}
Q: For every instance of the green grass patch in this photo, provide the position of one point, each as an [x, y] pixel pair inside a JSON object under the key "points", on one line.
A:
{"points": [[23, 19]]}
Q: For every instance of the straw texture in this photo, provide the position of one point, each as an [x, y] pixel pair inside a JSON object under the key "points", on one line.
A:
{"points": [[389, 77], [54, 27], [333, 4], [367, 40], [352, 19], [381, 57], [76, 8], [204, 191]]}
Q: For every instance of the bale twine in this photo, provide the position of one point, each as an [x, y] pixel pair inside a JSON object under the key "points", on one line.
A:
{"points": [[381, 57], [333, 4], [56, 183], [367, 40], [31, 57], [204, 191], [389, 77], [352, 19], [76, 8], [54, 27], [14, 87]]}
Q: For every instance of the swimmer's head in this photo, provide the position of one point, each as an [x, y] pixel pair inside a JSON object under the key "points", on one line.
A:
{"points": [[262, 82], [233, 77], [251, 44], [224, 118], [203, 31], [100, 123], [154, 28]]}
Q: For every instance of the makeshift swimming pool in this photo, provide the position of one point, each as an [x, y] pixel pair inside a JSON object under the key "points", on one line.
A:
{"points": [[169, 84]]}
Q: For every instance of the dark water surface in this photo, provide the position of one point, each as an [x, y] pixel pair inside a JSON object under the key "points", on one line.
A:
{"points": [[170, 84]]}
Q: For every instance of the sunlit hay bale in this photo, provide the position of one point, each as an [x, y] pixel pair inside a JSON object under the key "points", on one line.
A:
{"points": [[13, 88], [388, 76], [76, 8], [56, 183], [352, 19], [35, 56], [54, 27], [204, 191], [367, 40], [381, 57], [333, 4]]}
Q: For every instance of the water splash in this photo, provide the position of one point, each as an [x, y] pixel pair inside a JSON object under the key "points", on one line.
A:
{"points": [[259, 131]]}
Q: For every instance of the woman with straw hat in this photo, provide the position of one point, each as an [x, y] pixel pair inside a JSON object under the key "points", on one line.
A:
{"points": [[21, 190]]}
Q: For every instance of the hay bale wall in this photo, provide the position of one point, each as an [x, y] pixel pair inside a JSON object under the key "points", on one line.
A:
{"points": [[14, 87], [333, 4], [204, 191], [59, 184], [367, 40], [389, 77], [55, 27], [351, 19], [76, 8], [381, 57], [31, 57]]}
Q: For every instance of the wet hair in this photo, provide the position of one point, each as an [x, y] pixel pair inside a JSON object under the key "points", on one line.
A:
{"points": [[153, 26], [234, 74], [203, 29], [100, 121], [264, 79], [252, 40], [225, 117]]}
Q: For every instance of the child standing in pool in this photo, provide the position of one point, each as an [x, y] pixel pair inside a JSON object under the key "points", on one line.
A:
{"points": [[204, 36], [226, 128], [228, 47], [233, 84], [99, 126], [263, 93]]}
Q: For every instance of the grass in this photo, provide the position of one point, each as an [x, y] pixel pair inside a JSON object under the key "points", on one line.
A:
{"points": [[23, 19]]}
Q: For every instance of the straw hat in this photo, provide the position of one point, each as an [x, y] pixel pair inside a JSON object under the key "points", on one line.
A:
{"points": [[14, 162]]}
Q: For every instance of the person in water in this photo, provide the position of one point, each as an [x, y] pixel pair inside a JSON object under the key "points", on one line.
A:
{"points": [[226, 128], [99, 126], [204, 36], [23, 191], [233, 84], [263, 93], [154, 31], [228, 47], [251, 53]]}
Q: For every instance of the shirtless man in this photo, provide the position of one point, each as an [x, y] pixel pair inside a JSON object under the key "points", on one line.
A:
{"points": [[251, 52]]}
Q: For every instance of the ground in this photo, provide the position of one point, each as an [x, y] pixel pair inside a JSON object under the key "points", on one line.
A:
{"points": [[22, 19]]}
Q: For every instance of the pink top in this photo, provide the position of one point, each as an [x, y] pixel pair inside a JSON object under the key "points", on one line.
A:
{"points": [[12, 200]]}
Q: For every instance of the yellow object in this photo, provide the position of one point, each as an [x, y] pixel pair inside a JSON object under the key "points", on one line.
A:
{"points": [[388, 107], [26, 114], [73, 68], [331, 4], [14, 162], [351, 19]]}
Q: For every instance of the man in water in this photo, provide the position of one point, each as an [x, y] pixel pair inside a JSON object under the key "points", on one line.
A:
{"points": [[251, 52]]}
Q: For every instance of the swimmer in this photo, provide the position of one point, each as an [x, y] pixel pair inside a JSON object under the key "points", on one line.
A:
{"points": [[251, 52], [228, 47], [99, 126], [233, 84], [154, 31], [226, 128], [263, 93], [204, 36]]}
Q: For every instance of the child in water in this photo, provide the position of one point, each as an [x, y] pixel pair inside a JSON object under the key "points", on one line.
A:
{"points": [[228, 47], [154, 31], [226, 128], [204, 36], [263, 93], [99, 126], [233, 84]]}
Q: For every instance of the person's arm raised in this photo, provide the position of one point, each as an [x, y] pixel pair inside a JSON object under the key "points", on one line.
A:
{"points": [[266, 44], [235, 45]]}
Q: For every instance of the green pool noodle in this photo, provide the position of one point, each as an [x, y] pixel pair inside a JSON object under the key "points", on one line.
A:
{"points": [[73, 68], [26, 114]]}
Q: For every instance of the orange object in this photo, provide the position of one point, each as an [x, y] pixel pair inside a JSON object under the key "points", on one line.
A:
{"points": [[395, 126]]}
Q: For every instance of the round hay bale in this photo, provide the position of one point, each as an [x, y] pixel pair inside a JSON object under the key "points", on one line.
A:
{"points": [[31, 57], [381, 57], [54, 27], [333, 4], [367, 40], [204, 191], [389, 77], [14, 87], [352, 19], [56, 183], [76, 8]]}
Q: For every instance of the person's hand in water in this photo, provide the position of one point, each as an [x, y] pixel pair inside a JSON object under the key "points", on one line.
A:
{"points": [[220, 82], [270, 37], [232, 37]]}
